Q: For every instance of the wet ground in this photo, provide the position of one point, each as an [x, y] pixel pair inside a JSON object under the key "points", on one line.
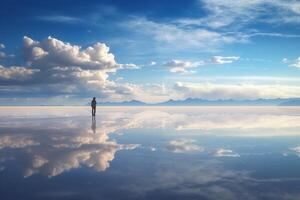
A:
{"points": [[150, 153]]}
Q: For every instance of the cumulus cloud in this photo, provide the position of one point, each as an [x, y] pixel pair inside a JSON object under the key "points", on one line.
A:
{"points": [[225, 153], [224, 59], [2, 46], [65, 68], [16, 73], [243, 91], [180, 66], [52, 52], [184, 145], [61, 68]]}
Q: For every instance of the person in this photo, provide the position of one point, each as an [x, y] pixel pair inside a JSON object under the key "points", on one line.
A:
{"points": [[93, 105]]}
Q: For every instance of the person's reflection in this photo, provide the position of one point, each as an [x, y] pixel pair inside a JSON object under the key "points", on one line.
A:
{"points": [[93, 127]]}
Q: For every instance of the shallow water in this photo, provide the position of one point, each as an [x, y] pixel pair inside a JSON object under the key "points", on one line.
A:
{"points": [[150, 153]]}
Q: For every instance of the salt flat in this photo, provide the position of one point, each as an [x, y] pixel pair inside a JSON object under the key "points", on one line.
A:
{"points": [[150, 152]]}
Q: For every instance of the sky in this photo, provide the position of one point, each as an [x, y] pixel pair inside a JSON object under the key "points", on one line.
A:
{"points": [[66, 52]]}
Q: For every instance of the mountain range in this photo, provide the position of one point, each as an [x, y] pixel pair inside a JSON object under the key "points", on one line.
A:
{"points": [[204, 102]]}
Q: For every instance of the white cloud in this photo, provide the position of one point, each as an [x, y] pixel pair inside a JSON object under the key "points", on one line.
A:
{"points": [[224, 59], [172, 35], [238, 13], [180, 66], [293, 63], [63, 68], [225, 153], [16, 73], [270, 34], [296, 63], [52, 52], [38, 53], [2, 46], [184, 67], [67, 68], [184, 145], [152, 63], [284, 80], [237, 91], [285, 60], [59, 19], [129, 66]]}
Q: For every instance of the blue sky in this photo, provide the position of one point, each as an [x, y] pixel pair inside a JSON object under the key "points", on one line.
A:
{"points": [[61, 52]]}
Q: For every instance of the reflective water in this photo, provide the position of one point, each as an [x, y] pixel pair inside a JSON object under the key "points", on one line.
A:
{"points": [[150, 153]]}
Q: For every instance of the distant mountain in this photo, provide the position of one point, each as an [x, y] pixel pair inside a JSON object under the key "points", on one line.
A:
{"points": [[124, 103], [229, 102], [204, 102], [291, 102]]}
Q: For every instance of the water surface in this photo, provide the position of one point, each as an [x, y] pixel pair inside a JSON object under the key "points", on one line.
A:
{"points": [[150, 153]]}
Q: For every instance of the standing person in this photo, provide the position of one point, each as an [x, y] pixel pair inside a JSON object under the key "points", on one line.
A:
{"points": [[93, 104]]}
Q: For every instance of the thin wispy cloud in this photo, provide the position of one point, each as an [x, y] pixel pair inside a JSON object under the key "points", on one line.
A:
{"points": [[181, 38], [224, 59], [238, 13], [225, 153], [59, 19]]}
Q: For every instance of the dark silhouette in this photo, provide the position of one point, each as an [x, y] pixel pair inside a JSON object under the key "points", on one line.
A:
{"points": [[93, 127], [93, 104]]}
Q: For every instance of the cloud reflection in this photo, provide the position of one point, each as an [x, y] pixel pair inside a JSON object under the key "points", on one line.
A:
{"points": [[16, 141], [296, 150], [64, 146], [55, 145], [58, 144], [226, 153], [226, 121], [184, 145]]}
